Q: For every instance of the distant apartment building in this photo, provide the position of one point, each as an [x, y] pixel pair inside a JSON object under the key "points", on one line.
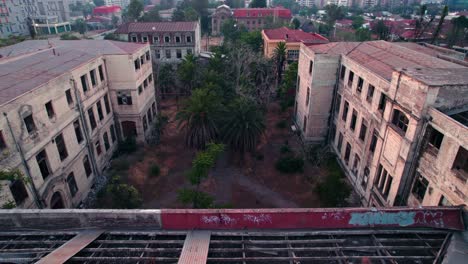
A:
{"points": [[395, 115], [46, 17], [122, 3], [311, 3], [170, 42], [292, 38], [65, 105], [339, 2], [367, 3], [250, 18]]}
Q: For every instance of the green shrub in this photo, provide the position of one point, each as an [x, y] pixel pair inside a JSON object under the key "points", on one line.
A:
{"points": [[198, 199], [333, 191], [68, 36], [290, 164], [285, 149], [124, 196], [282, 124], [128, 146], [154, 170], [120, 165]]}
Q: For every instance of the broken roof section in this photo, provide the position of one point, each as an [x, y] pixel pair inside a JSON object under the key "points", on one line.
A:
{"points": [[339, 235], [382, 57], [30, 64]]}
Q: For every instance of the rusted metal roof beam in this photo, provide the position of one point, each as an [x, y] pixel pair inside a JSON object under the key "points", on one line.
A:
{"points": [[70, 248]]}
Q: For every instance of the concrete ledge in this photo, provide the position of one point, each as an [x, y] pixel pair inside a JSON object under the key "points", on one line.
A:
{"points": [[77, 218]]}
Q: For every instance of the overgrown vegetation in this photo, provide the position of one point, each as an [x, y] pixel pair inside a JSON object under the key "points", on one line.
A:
{"points": [[154, 170], [119, 195], [68, 36], [333, 191], [11, 40], [290, 164]]}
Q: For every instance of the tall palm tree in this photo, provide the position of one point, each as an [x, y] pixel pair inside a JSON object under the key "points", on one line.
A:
{"points": [[243, 125], [279, 56], [441, 23], [199, 117], [187, 71]]}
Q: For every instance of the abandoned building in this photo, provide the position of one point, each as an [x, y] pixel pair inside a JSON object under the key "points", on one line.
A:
{"points": [[395, 115], [170, 41], [255, 236], [65, 105]]}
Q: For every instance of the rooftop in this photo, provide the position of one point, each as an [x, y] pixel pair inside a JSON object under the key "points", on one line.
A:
{"points": [[383, 57], [334, 235], [262, 12], [106, 9], [30, 64], [144, 27], [294, 35]]}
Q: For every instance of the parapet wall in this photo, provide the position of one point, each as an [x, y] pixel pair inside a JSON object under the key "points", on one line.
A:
{"points": [[234, 219]]}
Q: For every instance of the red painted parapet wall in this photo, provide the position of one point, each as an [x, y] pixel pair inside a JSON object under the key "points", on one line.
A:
{"points": [[320, 218]]}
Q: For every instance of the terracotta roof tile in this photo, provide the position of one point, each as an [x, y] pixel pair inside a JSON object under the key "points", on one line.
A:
{"points": [[143, 27], [294, 35], [262, 12]]}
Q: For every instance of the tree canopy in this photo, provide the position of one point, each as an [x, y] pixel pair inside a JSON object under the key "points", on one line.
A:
{"points": [[134, 10], [258, 4]]}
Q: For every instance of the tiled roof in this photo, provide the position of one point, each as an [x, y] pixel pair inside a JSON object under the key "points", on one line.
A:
{"points": [[106, 9], [262, 12], [383, 57], [294, 35], [144, 27], [30, 64]]}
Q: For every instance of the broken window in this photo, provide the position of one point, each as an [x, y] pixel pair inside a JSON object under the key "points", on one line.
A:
{"points": [[87, 166], [177, 39], [147, 55], [124, 98], [189, 51], [347, 153], [69, 97], [342, 72], [382, 102], [400, 120], [92, 120], [444, 202], [145, 125], [112, 131], [30, 125], [144, 39], [18, 190], [365, 177], [350, 78], [360, 83], [168, 54], [137, 64], [460, 165], [134, 39], [434, 140], [106, 104], [189, 39], [311, 66], [373, 142], [307, 97], [101, 73], [150, 78], [370, 93], [43, 164], [140, 89], [150, 116], [61, 147], [356, 163], [105, 137], [72, 184], [158, 53], [167, 39], [84, 83], [142, 60], [97, 145], [99, 110], [420, 187], [92, 73], [155, 39], [178, 53], [79, 135], [383, 181], [344, 115], [145, 83], [153, 108], [363, 131], [340, 142], [352, 124], [49, 109]]}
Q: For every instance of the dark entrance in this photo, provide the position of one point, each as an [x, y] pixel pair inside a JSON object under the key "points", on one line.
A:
{"points": [[56, 202]]}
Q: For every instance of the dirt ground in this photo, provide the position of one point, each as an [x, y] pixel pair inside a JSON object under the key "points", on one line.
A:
{"points": [[234, 182]]}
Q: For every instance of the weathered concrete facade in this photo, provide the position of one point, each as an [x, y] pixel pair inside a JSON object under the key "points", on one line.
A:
{"points": [[62, 120], [373, 110]]}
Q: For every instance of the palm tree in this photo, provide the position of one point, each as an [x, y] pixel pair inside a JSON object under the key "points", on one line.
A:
{"points": [[439, 26], [243, 126], [280, 58], [199, 117], [187, 71]]}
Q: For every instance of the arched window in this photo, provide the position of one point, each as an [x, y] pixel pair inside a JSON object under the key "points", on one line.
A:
{"points": [[400, 120]]}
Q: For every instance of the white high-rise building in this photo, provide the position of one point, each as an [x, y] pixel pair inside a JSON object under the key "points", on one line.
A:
{"points": [[122, 3]]}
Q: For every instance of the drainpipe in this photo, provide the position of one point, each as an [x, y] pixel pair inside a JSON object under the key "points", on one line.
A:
{"points": [[32, 188], [86, 130]]}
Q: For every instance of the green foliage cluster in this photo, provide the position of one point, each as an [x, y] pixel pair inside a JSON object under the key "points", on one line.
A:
{"points": [[80, 26], [68, 36], [203, 200], [154, 170], [127, 146], [288, 86], [118, 195], [290, 164], [11, 40], [333, 191]]}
